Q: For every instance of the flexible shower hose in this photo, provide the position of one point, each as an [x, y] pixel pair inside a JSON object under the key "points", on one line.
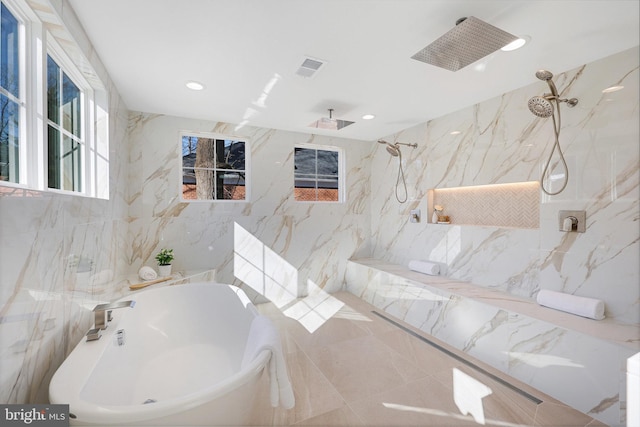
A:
{"points": [[556, 144], [404, 183]]}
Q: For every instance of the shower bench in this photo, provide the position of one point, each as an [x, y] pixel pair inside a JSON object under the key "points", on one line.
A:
{"points": [[579, 361]]}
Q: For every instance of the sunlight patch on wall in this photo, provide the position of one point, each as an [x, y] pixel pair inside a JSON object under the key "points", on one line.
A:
{"points": [[449, 247], [267, 273], [538, 360], [262, 269]]}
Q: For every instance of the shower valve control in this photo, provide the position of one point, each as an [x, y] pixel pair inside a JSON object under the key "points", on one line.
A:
{"points": [[415, 215], [572, 221]]}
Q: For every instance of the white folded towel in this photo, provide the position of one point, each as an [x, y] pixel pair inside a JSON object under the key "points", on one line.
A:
{"points": [[147, 273], [263, 335], [424, 267], [582, 306]]}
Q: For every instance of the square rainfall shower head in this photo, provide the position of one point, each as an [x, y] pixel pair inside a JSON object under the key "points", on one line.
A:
{"points": [[330, 123], [469, 41]]}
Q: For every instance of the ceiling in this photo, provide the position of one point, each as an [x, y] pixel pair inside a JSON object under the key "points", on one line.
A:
{"points": [[247, 53]]}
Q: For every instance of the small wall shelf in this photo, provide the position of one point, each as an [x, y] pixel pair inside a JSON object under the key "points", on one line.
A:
{"points": [[501, 205]]}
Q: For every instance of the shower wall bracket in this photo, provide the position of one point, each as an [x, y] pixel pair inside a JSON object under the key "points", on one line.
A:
{"points": [[572, 221]]}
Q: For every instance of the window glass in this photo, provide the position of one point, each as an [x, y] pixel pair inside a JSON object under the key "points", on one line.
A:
{"points": [[9, 53], [9, 97], [71, 119], [9, 139], [53, 91], [65, 147], [316, 176], [213, 168]]}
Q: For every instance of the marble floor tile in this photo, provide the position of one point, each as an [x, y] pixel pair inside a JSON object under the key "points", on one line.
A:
{"points": [[504, 403], [558, 415], [359, 369], [418, 403], [314, 394], [362, 366], [342, 416]]}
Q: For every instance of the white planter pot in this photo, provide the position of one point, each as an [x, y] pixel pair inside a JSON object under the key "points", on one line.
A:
{"points": [[164, 270]]}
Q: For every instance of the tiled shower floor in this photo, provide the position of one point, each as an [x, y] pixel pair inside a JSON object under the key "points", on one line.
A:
{"points": [[359, 369]]}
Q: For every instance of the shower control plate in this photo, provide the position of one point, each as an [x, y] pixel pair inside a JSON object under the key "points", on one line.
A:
{"points": [[580, 216], [415, 215]]}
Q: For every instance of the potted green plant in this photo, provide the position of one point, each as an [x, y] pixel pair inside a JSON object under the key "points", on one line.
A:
{"points": [[164, 258]]}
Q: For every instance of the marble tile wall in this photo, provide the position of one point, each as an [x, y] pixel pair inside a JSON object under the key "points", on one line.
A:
{"points": [[59, 254], [314, 239], [502, 142]]}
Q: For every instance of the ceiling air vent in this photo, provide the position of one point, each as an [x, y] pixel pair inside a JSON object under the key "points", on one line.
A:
{"points": [[309, 67]]}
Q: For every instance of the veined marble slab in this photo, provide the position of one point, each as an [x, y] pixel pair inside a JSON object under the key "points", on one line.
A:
{"points": [[576, 360]]}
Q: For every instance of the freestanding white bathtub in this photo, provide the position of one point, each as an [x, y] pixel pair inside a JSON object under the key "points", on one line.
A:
{"points": [[193, 354]]}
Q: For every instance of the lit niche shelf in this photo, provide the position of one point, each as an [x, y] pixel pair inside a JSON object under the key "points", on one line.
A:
{"points": [[514, 205]]}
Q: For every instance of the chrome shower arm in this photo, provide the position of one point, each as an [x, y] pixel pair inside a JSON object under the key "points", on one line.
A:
{"points": [[382, 141], [414, 145]]}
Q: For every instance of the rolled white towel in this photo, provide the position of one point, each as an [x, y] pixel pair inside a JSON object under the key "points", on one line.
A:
{"points": [[424, 267], [582, 306], [147, 273]]}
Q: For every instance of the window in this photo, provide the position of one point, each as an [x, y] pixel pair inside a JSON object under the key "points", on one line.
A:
{"points": [[317, 174], [214, 167], [10, 97], [69, 149], [64, 130]]}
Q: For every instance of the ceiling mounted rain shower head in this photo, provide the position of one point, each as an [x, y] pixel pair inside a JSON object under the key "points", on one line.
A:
{"points": [[330, 123], [470, 40]]}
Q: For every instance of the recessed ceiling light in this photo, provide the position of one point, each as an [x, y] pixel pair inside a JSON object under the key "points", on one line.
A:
{"points": [[368, 117], [516, 44], [193, 85], [612, 89]]}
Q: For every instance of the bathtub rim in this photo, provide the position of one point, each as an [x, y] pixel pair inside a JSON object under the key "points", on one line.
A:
{"points": [[87, 412], [86, 357]]}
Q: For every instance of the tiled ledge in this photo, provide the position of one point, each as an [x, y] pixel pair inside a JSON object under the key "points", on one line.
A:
{"points": [[626, 335], [578, 361]]}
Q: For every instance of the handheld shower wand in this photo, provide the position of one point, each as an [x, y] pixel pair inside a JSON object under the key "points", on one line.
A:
{"points": [[394, 150], [543, 107]]}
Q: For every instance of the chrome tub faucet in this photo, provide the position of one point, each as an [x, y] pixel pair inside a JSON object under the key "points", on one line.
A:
{"points": [[102, 316]]}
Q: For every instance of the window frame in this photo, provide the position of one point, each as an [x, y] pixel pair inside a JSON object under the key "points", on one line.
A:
{"points": [[217, 136], [37, 45], [341, 172], [68, 68]]}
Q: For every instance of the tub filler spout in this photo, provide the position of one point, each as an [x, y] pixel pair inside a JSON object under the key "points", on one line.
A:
{"points": [[102, 312]]}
